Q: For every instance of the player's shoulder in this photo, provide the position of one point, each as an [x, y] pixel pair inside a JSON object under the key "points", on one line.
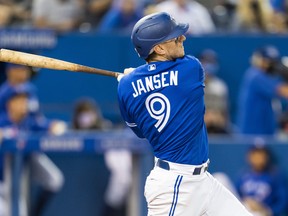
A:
{"points": [[192, 58], [189, 60], [155, 67]]}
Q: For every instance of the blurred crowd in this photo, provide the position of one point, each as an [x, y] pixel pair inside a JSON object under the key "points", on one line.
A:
{"points": [[269, 16], [261, 99], [20, 114]]}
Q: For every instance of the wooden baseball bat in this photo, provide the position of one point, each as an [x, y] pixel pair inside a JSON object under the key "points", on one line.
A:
{"points": [[39, 61]]}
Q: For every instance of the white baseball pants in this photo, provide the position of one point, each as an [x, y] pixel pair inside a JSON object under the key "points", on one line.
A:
{"points": [[179, 193]]}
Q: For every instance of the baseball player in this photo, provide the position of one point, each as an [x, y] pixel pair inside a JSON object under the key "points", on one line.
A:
{"points": [[17, 120], [261, 87], [19, 75], [262, 185], [163, 101]]}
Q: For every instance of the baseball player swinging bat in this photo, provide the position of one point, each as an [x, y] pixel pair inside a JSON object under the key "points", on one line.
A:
{"points": [[38, 61]]}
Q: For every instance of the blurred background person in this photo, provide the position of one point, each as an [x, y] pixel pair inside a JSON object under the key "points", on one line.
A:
{"points": [[19, 75], [18, 79], [3, 201], [16, 13], [261, 16], [187, 11], [280, 14], [262, 87], [223, 13], [16, 121], [5, 14], [87, 116], [216, 95], [283, 126], [121, 17], [96, 10], [262, 186], [59, 15]]}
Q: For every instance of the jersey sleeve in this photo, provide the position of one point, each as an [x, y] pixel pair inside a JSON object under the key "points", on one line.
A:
{"points": [[201, 73], [194, 62]]}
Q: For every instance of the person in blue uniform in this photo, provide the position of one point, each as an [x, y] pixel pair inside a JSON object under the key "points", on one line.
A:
{"points": [[121, 17], [262, 186], [17, 75], [163, 101], [17, 120], [261, 85]]}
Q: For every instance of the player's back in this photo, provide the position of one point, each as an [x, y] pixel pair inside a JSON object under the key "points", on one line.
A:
{"points": [[165, 104]]}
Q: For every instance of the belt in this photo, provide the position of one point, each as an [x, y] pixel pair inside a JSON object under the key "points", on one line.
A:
{"points": [[195, 170]]}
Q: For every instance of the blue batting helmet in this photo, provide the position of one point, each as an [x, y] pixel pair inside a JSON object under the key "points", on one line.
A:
{"points": [[269, 52], [154, 29]]}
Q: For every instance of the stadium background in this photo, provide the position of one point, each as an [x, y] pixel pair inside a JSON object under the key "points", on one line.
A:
{"points": [[58, 90]]}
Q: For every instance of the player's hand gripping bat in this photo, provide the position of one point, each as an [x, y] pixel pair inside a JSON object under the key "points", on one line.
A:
{"points": [[39, 61]]}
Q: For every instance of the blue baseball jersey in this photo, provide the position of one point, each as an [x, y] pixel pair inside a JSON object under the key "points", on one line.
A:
{"points": [[164, 102], [32, 123], [255, 112], [268, 188]]}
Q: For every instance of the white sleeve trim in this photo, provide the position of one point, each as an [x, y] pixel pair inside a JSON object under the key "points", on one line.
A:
{"points": [[131, 124]]}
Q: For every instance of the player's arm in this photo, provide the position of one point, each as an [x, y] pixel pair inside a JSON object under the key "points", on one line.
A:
{"points": [[130, 122], [123, 112]]}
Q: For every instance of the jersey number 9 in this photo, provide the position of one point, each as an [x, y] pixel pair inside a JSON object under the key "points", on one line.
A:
{"points": [[159, 108]]}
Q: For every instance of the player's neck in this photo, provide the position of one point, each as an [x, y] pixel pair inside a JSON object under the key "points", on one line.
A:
{"points": [[159, 58]]}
